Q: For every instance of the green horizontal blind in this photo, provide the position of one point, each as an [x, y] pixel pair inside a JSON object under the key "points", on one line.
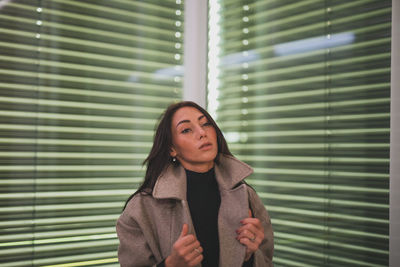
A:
{"points": [[303, 95], [82, 84]]}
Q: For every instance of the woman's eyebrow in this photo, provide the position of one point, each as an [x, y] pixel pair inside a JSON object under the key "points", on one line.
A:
{"points": [[185, 121], [182, 121]]}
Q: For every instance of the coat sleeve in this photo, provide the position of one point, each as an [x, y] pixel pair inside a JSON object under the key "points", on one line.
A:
{"points": [[263, 256], [133, 250]]}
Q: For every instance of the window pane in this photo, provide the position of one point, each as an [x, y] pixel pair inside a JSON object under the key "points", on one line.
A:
{"points": [[303, 94], [82, 85]]}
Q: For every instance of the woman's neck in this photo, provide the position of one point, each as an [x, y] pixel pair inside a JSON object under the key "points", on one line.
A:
{"points": [[199, 168]]}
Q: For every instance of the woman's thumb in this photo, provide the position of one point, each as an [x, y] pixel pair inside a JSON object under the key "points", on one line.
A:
{"points": [[185, 230]]}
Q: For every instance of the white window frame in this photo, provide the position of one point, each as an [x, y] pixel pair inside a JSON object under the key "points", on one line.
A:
{"points": [[195, 51], [394, 194]]}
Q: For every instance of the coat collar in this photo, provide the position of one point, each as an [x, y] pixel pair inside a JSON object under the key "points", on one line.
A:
{"points": [[172, 182]]}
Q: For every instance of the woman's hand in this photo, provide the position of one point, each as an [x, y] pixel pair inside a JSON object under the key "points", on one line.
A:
{"points": [[186, 251], [250, 234]]}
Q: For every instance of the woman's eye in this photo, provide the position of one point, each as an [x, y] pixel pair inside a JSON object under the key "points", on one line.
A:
{"points": [[207, 124], [185, 130]]}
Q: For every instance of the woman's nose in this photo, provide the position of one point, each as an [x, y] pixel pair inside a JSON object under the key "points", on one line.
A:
{"points": [[201, 132]]}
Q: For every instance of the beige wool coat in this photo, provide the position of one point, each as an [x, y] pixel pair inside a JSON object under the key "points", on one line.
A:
{"points": [[150, 224]]}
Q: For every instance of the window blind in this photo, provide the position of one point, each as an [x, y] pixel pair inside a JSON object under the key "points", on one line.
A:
{"points": [[303, 96], [82, 84]]}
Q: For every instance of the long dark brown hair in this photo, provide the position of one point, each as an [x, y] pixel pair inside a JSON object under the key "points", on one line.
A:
{"points": [[159, 157]]}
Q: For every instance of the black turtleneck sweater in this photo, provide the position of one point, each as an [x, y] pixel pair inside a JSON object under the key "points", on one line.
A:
{"points": [[204, 201]]}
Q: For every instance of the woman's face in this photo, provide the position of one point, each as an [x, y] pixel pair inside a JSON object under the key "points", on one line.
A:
{"points": [[194, 140]]}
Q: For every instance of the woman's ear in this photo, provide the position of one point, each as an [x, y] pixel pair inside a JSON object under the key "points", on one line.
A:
{"points": [[172, 152]]}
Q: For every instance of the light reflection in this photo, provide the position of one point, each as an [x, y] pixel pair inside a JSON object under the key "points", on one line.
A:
{"points": [[235, 137], [167, 73], [214, 51], [3, 3], [239, 58], [315, 43]]}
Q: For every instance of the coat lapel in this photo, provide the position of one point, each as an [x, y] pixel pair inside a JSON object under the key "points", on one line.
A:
{"points": [[172, 185], [234, 207]]}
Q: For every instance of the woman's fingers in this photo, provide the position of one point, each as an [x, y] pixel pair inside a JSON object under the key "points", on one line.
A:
{"points": [[250, 234], [196, 260], [196, 253], [186, 251], [192, 247], [186, 240], [251, 229], [253, 224], [252, 221]]}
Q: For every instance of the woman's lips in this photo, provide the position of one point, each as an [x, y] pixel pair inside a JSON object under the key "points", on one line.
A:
{"points": [[205, 146]]}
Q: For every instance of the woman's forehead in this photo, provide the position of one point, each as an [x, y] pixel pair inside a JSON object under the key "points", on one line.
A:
{"points": [[187, 113]]}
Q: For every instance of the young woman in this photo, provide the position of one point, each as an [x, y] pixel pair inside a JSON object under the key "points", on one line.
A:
{"points": [[193, 208]]}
